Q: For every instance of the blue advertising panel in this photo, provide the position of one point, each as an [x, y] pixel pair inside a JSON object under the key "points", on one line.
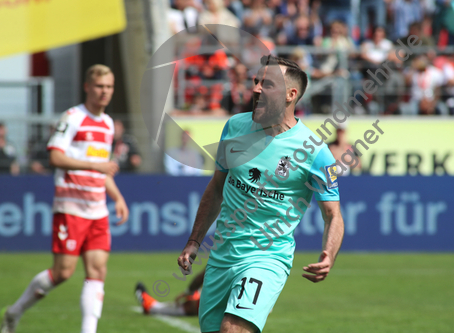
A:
{"points": [[380, 213]]}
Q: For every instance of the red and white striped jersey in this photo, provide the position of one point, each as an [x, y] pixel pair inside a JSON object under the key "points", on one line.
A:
{"points": [[82, 136]]}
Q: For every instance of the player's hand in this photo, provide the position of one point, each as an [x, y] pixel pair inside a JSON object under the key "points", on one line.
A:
{"points": [[121, 210], [320, 270], [188, 256], [109, 168]]}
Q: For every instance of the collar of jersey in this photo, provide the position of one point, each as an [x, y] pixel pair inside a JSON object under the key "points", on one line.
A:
{"points": [[91, 115], [294, 130]]}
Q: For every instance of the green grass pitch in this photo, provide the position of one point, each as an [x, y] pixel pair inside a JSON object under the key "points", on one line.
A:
{"points": [[365, 292]]}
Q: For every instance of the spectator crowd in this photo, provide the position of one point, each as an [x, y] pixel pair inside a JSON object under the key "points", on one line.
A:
{"points": [[335, 41]]}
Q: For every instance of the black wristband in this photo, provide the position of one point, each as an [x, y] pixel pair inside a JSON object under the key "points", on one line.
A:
{"points": [[194, 241]]}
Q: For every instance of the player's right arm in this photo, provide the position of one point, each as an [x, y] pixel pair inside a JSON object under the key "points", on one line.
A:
{"points": [[58, 159], [61, 140], [209, 208]]}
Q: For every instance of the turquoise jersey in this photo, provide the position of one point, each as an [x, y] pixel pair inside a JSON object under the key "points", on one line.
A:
{"points": [[264, 231]]}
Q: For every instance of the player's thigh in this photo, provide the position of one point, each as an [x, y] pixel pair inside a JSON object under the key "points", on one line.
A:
{"points": [[95, 264], [98, 236], [69, 233], [234, 324], [214, 297], [255, 290]]}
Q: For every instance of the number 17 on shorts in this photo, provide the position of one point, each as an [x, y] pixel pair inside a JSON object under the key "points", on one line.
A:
{"points": [[248, 292]]}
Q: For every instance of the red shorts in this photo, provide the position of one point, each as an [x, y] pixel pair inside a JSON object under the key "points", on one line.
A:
{"points": [[75, 235]]}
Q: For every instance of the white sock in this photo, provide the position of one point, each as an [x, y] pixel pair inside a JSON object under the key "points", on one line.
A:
{"points": [[167, 308], [40, 285], [91, 304]]}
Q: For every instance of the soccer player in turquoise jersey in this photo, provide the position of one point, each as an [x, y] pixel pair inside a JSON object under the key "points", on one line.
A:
{"points": [[269, 164]]}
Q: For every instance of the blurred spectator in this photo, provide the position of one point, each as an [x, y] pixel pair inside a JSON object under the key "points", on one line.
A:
{"points": [[303, 59], [376, 51], [124, 149], [415, 29], [444, 22], [239, 97], [39, 155], [425, 81], [338, 10], [446, 64], [184, 160], [216, 13], [8, 163], [298, 33], [372, 13], [183, 16], [236, 7], [337, 41], [340, 147], [199, 103], [405, 12], [258, 17], [255, 46]]}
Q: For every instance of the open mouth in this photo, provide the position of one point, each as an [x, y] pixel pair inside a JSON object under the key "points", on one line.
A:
{"points": [[260, 104]]}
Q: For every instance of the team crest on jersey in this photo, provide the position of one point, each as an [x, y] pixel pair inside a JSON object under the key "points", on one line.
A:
{"points": [[254, 175], [71, 244], [331, 173], [283, 167], [89, 136]]}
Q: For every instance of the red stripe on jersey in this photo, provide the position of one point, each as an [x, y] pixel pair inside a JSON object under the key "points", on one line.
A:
{"points": [[56, 148], [91, 136], [64, 192], [85, 180], [91, 122]]}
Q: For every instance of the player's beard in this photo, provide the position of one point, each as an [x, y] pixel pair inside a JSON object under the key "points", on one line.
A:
{"points": [[268, 112]]}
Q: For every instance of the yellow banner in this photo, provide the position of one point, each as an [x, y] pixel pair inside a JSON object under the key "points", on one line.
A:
{"points": [[38, 25], [407, 145]]}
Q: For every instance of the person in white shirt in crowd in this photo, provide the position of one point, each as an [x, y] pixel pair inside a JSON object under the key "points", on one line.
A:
{"points": [[376, 50], [425, 81]]}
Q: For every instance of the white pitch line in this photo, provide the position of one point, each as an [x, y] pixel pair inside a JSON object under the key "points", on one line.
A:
{"points": [[171, 321]]}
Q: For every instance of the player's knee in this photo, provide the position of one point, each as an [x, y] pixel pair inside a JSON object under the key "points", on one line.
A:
{"points": [[62, 274], [97, 272]]}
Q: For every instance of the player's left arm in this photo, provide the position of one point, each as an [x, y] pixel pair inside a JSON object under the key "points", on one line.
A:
{"points": [[114, 193], [332, 240], [324, 182]]}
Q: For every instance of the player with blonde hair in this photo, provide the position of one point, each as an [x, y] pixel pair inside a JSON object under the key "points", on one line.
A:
{"points": [[80, 150]]}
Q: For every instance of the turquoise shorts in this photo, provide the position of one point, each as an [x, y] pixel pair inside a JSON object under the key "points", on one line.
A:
{"points": [[248, 291]]}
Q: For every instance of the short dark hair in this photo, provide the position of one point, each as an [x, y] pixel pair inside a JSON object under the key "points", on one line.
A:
{"points": [[293, 71]]}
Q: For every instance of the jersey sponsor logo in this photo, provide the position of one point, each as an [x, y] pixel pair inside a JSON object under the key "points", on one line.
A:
{"points": [[63, 232], [71, 244], [251, 189], [283, 167], [61, 127], [254, 175], [94, 152], [331, 174]]}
